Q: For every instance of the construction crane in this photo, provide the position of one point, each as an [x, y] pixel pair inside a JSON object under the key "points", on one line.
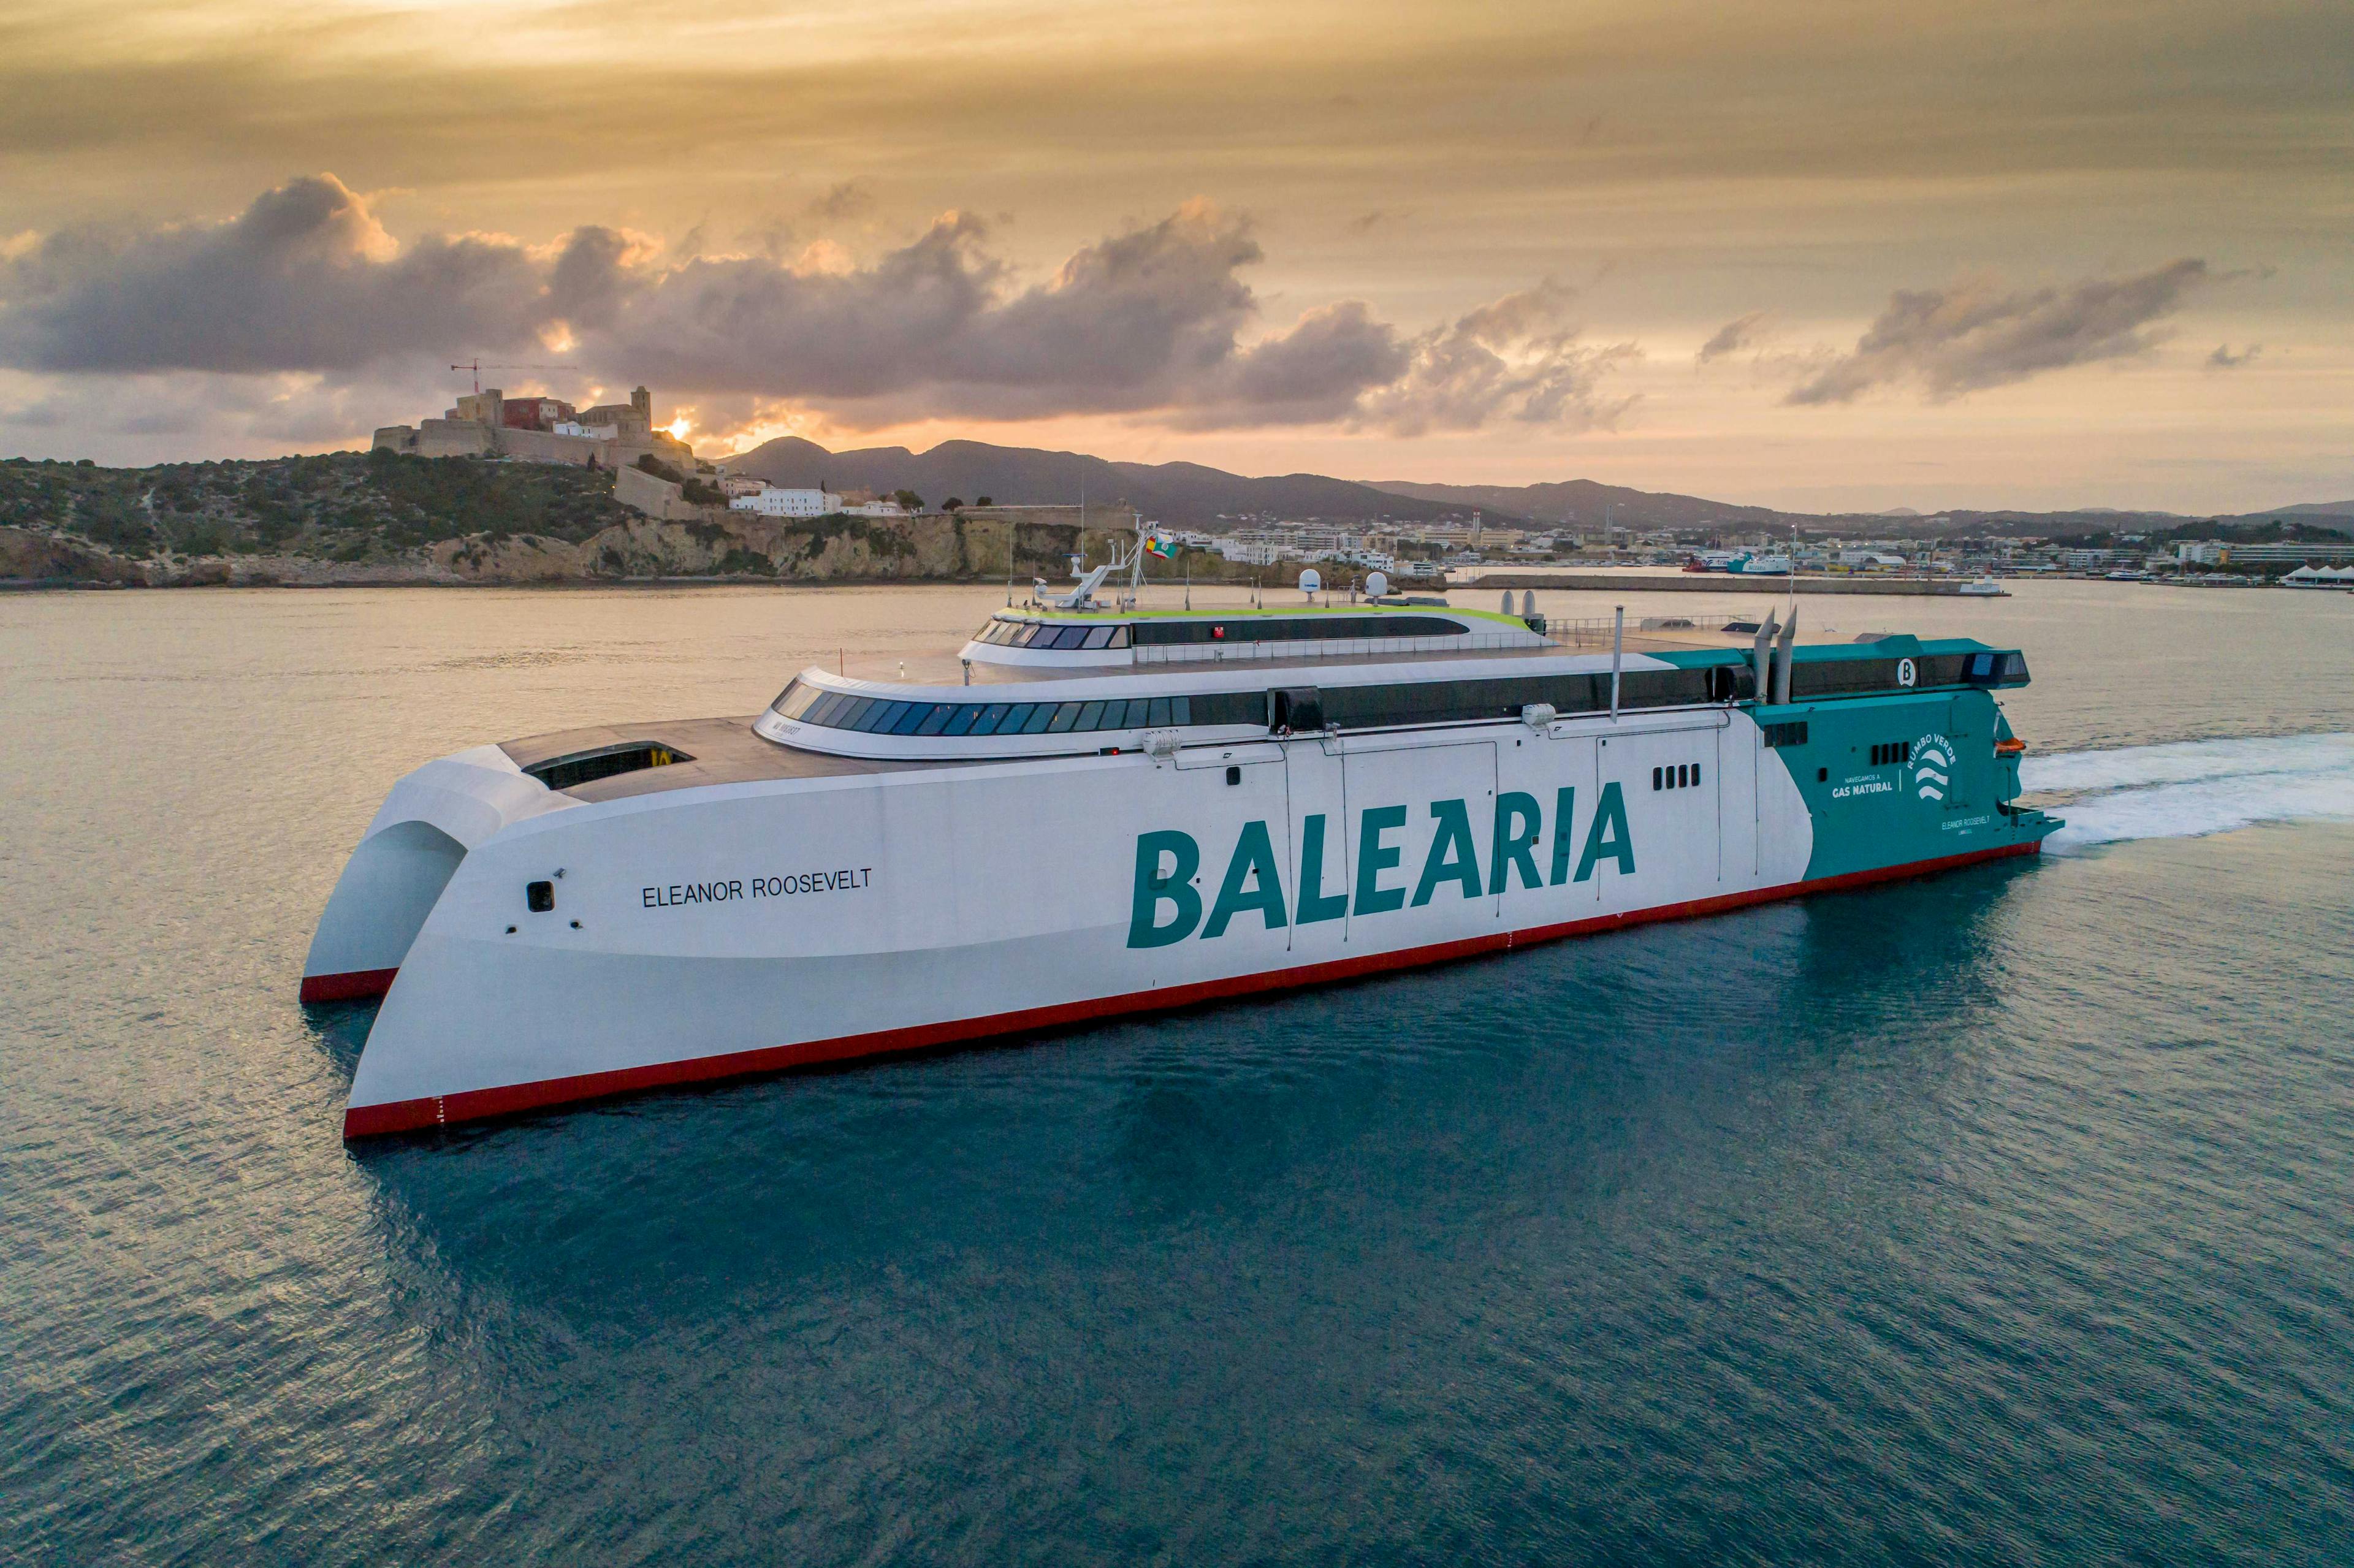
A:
{"points": [[477, 367]]}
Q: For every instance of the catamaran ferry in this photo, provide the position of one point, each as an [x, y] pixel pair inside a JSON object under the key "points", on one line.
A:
{"points": [[1129, 808]]}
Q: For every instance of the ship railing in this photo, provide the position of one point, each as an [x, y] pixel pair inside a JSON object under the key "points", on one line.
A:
{"points": [[1325, 648]]}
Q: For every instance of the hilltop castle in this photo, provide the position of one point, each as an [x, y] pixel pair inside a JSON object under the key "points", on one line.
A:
{"points": [[541, 429]]}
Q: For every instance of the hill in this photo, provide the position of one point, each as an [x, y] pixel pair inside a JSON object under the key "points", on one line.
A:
{"points": [[1584, 502], [375, 517], [349, 507], [1179, 493]]}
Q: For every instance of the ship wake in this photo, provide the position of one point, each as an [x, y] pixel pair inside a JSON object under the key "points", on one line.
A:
{"points": [[2192, 788]]}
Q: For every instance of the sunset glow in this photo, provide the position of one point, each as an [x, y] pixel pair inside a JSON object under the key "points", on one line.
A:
{"points": [[1831, 255]]}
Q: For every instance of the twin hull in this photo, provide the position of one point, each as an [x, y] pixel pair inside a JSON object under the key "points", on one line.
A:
{"points": [[742, 927]]}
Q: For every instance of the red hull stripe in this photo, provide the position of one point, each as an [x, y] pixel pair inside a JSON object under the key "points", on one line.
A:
{"points": [[356, 986], [470, 1105]]}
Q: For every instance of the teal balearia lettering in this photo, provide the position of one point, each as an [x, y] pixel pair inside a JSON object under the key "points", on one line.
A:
{"points": [[1166, 906]]}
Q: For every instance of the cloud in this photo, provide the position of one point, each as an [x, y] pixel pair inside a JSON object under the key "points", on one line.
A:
{"points": [[1733, 336], [1971, 335], [849, 198], [304, 280], [187, 415], [1155, 322], [1317, 373], [1516, 359], [2224, 359]]}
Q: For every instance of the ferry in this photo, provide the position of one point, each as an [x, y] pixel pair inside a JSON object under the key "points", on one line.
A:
{"points": [[1733, 561], [1116, 809]]}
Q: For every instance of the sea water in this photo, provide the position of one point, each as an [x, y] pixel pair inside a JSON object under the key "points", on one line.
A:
{"points": [[2001, 1217]]}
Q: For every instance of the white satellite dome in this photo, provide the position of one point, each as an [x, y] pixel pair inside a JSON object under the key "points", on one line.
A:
{"points": [[1377, 584], [1310, 580]]}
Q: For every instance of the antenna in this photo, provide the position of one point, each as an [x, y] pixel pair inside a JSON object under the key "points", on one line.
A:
{"points": [[477, 367]]}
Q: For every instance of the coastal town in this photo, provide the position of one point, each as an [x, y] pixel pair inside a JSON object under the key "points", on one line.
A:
{"points": [[535, 488], [658, 475]]}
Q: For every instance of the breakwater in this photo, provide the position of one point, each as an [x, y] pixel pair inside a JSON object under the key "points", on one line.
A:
{"points": [[1714, 582]]}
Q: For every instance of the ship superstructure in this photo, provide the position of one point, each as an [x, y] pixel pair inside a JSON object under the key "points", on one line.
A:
{"points": [[1116, 808]]}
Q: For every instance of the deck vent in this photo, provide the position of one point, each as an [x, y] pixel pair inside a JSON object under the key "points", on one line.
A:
{"points": [[587, 767]]}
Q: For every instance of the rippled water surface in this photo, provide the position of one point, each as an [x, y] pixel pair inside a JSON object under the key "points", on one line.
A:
{"points": [[2005, 1217]]}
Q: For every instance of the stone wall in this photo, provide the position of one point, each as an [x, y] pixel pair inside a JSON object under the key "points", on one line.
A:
{"points": [[435, 439], [547, 446], [658, 498]]}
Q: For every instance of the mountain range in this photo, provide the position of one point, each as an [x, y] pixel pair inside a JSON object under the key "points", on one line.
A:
{"points": [[1186, 494], [1583, 502], [1179, 493]]}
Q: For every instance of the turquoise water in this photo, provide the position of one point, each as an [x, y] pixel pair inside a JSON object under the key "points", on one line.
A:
{"points": [[2006, 1217]]}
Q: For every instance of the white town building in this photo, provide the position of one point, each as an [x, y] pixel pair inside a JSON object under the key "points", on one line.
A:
{"points": [[770, 501]]}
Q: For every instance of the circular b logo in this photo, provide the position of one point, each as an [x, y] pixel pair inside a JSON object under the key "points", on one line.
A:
{"points": [[1904, 671]]}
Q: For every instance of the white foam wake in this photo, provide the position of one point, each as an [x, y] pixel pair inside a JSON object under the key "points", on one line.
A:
{"points": [[2192, 788]]}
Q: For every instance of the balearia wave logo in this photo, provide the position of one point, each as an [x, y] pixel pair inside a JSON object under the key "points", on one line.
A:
{"points": [[1932, 767]]}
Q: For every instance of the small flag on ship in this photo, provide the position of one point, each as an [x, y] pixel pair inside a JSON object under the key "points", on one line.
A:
{"points": [[1162, 546]]}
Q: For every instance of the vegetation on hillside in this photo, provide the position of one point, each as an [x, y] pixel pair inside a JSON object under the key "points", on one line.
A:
{"points": [[339, 506]]}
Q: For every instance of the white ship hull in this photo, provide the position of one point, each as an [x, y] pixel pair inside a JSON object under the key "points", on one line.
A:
{"points": [[744, 927]]}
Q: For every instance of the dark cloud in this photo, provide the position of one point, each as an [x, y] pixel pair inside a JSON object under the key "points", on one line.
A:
{"points": [[1971, 335], [1155, 322], [1733, 336], [304, 279], [1315, 372], [2224, 359]]}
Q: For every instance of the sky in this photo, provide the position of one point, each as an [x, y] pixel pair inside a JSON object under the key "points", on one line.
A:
{"points": [[1820, 255]]}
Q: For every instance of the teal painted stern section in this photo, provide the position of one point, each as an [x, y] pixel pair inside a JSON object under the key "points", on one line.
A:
{"points": [[1893, 780]]}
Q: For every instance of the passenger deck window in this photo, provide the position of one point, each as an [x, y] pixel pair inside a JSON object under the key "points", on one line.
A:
{"points": [[885, 715]]}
